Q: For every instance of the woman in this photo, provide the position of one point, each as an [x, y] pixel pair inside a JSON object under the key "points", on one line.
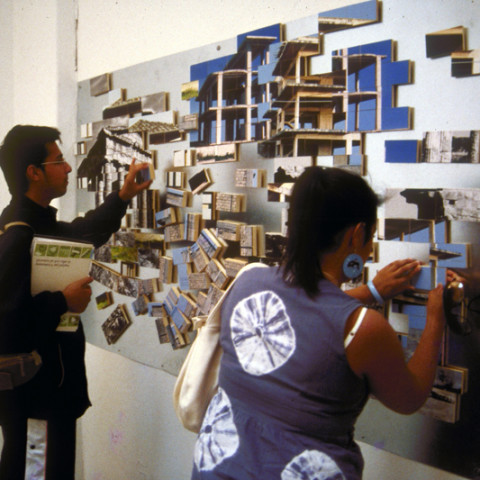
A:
{"points": [[301, 356]]}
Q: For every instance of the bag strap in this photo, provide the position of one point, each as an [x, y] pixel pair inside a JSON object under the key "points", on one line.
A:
{"points": [[214, 315], [14, 224]]}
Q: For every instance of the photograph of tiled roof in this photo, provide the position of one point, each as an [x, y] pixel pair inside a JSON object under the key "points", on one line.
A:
{"points": [[156, 132]]}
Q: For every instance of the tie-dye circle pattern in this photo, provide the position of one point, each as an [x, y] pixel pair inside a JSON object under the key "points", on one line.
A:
{"points": [[262, 333], [218, 437]]}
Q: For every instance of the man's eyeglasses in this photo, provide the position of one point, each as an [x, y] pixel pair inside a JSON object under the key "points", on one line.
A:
{"points": [[60, 162]]}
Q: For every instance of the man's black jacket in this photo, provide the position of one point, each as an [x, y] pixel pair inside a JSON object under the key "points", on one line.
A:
{"points": [[27, 323]]}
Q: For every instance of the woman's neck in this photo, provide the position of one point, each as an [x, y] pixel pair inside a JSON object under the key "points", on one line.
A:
{"points": [[331, 270]]}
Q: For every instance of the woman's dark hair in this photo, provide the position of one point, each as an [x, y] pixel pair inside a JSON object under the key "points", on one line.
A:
{"points": [[324, 203], [24, 145]]}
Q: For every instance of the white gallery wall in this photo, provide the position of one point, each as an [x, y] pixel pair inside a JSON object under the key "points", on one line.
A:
{"points": [[47, 46]]}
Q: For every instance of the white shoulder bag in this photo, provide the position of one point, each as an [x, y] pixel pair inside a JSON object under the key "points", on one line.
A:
{"points": [[197, 381]]}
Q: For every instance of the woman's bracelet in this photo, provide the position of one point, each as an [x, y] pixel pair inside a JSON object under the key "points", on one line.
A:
{"points": [[378, 298]]}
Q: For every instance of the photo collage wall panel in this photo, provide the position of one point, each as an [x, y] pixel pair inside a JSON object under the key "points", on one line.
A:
{"points": [[226, 137]]}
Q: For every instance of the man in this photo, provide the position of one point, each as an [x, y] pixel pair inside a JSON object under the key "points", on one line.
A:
{"points": [[36, 173]]}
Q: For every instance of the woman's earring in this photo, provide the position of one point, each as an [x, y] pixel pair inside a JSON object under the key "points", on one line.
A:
{"points": [[353, 266]]}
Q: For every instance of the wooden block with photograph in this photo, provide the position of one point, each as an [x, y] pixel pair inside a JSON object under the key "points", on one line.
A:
{"points": [[216, 153], [411, 203], [279, 192], [234, 265], [162, 323], [209, 211], [452, 378], [184, 158], [116, 324], [389, 251], [200, 181], [187, 305], [461, 204], [466, 63], [286, 171], [190, 89], [178, 197], [198, 281], [179, 158], [156, 309], [275, 244], [129, 269], [127, 286], [149, 257], [214, 294], [100, 84], [248, 240], [81, 149], [148, 286], [229, 230], [146, 174], [155, 103], [166, 217], [180, 320], [175, 179], [174, 233], [140, 305], [181, 255], [188, 122], [86, 130], [177, 339], [217, 273], [104, 300], [252, 241], [451, 255], [445, 42], [199, 257], [451, 146], [103, 254], [183, 272], [192, 226], [171, 299], [150, 240], [230, 202], [442, 405], [201, 303], [165, 269], [124, 254], [250, 178], [104, 275], [406, 229], [124, 238], [212, 245]]}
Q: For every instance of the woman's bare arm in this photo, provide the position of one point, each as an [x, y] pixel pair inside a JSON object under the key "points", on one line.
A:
{"points": [[376, 353]]}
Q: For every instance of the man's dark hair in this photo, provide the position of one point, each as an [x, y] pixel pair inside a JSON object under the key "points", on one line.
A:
{"points": [[324, 203], [24, 145]]}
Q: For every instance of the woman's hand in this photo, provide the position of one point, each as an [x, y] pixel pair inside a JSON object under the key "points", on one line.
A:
{"points": [[395, 277]]}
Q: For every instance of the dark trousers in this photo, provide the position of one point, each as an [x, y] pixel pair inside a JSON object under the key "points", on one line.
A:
{"points": [[60, 461]]}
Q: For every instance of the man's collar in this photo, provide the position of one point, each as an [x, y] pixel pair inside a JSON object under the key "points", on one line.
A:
{"points": [[25, 201]]}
